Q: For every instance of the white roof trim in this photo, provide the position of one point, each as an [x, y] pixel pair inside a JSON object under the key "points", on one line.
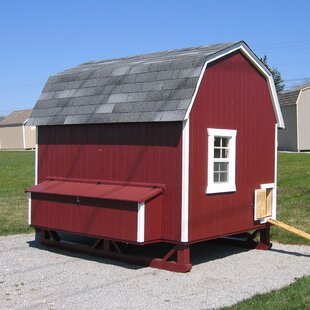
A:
{"points": [[257, 63]]}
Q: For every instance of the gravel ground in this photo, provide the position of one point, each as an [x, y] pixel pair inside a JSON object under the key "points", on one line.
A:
{"points": [[36, 277]]}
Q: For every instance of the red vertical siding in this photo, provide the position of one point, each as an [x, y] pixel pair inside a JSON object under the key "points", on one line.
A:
{"points": [[232, 95], [140, 152], [153, 219], [87, 216]]}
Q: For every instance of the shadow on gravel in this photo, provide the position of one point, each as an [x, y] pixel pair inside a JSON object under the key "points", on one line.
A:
{"points": [[202, 252], [36, 244], [207, 251], [289, 252]]}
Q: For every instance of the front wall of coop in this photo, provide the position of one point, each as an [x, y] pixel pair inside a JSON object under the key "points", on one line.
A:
{"points": [[232, 95]]}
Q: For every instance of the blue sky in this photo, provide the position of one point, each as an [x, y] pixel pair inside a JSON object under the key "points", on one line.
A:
{"points": [[40, 38]]}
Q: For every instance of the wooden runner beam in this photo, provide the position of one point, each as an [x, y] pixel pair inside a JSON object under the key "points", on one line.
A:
{"points": [[290, 228]]}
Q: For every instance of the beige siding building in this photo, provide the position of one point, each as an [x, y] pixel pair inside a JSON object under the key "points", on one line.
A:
{"points": [[14, 132], [295, 107]]}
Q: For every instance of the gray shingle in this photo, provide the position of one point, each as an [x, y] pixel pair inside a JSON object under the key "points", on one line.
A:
{"points": [[82, 100], [184, 93], [64, 102], [77, 119], [90, 83], [145, 106], [105, 108], [62, 94], [191, 82], [47, 87], [167, 105], [182, 64], [140, 68], [120, 71], [159, 95], [57, 119], [132, 97], [46, 112], [160, 65], [124, 107], [90, 91], [104, 118], [146, 77], [174, 84], [81, 109], [114, 98], [192, 72], [46, 96], [44, 104], [167, 75], [151, 86], [173, 115], [199, 61], [112, 89], [150, 116], [129, 117], [75, 84], [183, 104], [132, 87], [102, 72]]}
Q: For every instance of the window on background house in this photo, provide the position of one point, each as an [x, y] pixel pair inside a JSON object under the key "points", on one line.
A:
{"points": [[221, 160]]}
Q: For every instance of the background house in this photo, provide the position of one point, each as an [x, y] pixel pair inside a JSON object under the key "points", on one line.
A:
{"points": [[295, 107], [14, 134]]}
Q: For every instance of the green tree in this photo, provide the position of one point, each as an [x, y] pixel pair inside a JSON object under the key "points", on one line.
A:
{"points": [[279, 83]]}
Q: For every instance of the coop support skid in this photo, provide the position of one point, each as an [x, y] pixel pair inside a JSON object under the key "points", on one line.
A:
{"points": [[111, 249]]}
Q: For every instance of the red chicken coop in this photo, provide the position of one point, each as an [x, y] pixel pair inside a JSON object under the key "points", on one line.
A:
{"points": [[174, 147]]}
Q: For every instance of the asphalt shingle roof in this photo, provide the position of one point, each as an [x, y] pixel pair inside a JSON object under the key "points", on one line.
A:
{"points": [[16, 118], [145, 88], [288, 97]]}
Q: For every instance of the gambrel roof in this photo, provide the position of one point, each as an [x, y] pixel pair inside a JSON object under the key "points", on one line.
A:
{"points": [[145, 88]]}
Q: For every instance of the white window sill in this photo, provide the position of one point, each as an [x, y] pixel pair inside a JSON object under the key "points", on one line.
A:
{"points": [[221, 188]]}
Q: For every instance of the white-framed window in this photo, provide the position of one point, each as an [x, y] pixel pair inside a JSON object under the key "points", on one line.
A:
{"points": [[221, 160]]}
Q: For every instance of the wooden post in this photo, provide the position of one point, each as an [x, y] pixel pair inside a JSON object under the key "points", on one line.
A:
{"points": [[264, 242], [183, 255]]}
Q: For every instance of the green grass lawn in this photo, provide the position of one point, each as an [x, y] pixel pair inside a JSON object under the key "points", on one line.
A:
{"points": [[295, 296], [293, 196], [16, 174]]}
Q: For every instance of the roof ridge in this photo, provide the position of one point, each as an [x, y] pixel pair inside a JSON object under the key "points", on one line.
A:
{"points": [[157, 53]]}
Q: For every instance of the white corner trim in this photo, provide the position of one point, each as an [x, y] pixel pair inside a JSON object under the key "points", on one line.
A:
{"points": [[257, 63], [141, 220], [267, 185], [230, 186], [275, 188], [36, 157], [185, 181], [297, 123], [29, 208], [24, 133]]}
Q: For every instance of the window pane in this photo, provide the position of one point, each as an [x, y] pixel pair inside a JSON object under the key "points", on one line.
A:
{"points": [[223, 167], [225, 142], [225, 153], [216, 167], [217, 153], [223, 176], [217, 141], [216, 177]]}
